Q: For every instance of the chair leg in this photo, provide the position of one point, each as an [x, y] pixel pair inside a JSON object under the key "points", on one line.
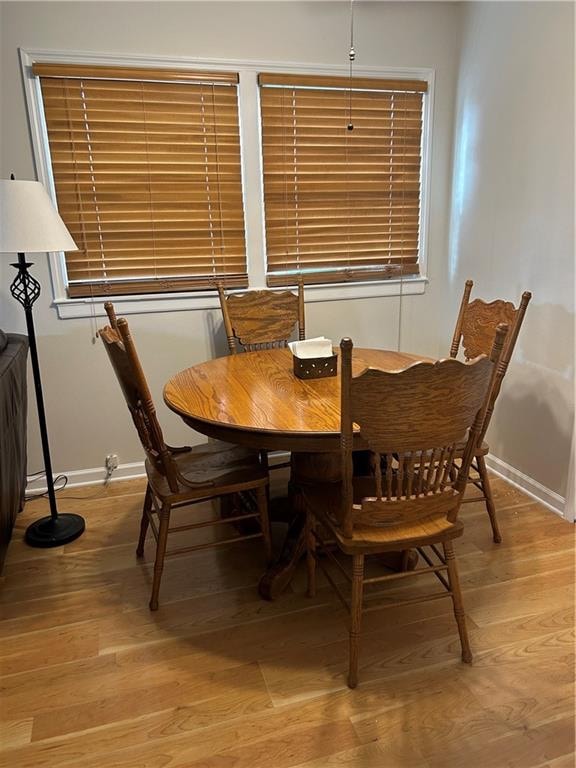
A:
{"points": [[144, 522], [262, 500], [266, 465], [487, 490], [355, 618], [311, 553], [405, 562], [457, 601], [160, 553]]}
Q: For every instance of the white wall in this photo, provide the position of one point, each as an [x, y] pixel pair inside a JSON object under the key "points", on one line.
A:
{"points": [[87, 418], [513, 215]]}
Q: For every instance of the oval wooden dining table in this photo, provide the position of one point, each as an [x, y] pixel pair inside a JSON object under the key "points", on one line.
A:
{"points": [[254, 399]]}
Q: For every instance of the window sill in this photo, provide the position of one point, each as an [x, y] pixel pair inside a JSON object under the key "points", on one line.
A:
{"points": [[179, 302]]}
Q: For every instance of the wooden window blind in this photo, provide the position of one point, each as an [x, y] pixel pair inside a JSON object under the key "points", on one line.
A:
{"points": [[341, 205], [146, 166]]}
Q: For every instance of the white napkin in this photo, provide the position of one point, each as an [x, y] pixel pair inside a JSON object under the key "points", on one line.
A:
{"points": [[318, 347]]}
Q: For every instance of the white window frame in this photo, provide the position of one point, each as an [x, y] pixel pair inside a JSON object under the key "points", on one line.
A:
{"points": [[252, 181]]}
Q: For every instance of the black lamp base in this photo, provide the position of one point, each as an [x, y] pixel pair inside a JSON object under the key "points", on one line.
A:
{"points": [[54, 532]]}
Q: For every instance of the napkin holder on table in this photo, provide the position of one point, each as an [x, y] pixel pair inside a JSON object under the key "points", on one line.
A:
{"points": [[314, 358]]}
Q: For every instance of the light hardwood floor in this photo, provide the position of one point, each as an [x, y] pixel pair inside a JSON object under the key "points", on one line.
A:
{"points": [[220, 679]]}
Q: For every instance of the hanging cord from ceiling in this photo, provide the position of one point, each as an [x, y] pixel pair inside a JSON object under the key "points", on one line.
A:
{"points": [[351, 57]]}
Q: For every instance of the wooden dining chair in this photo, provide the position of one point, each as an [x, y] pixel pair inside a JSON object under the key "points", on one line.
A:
{"points": [[262, 319], [179, 477], [411, 422], [475, 329], [258, 320]]}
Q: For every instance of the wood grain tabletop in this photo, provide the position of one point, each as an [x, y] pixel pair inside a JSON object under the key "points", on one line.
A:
{"points": [[255, 399]]}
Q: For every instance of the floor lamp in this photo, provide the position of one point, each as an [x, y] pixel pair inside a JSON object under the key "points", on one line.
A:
{"points": [[30, 223]]}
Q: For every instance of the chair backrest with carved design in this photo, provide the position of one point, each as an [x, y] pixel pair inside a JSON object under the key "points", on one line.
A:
{"points": [[412, 421], [262, 319], [126, 364], [476, 327]]}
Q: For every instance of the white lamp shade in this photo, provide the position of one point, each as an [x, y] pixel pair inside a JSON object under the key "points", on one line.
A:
{"points": [[29, 223]]}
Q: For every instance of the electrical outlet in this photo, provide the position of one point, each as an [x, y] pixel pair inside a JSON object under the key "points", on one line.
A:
{"points": [[111, 463]]}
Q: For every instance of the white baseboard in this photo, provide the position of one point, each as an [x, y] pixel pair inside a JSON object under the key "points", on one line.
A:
{"points": [[97, 475], [532, 487], [94, 476]]}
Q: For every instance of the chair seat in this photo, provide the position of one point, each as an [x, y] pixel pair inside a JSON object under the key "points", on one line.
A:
{"points": [[323, 499], [217, 467]]}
